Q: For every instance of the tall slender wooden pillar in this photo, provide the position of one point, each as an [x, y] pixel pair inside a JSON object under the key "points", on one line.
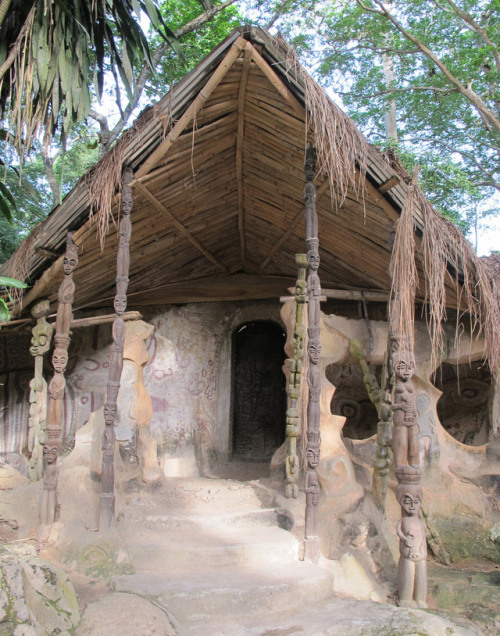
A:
{"points": [[53, 441], [107, 498], [312, 487]]}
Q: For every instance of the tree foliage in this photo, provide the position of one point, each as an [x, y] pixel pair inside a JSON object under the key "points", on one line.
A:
{"points": [[446, 66], [47, 51]]}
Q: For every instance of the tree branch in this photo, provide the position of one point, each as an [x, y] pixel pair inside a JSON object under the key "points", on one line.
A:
{"points": [[474, 26], [147, 71], [488, 118], [406, 89]]}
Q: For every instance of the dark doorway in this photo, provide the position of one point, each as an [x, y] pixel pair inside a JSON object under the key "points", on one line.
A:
{"points": [[258, 391]]}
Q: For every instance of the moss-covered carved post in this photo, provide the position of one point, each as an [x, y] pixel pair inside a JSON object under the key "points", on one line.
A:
{"points": [[380, 398], [37, 417], [53, 439], [312, 487], [294, 380], [107, 498]]}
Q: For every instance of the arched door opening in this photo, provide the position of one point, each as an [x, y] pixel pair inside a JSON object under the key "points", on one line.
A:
{"points": [[258, 391]]}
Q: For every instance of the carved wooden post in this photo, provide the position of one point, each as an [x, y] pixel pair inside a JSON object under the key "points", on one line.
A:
{"points": [[292, 414], [37, 419], [53, 441], [312, 488], [107, 498], [412, 567]]}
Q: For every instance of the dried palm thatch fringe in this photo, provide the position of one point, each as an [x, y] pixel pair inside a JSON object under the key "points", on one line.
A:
{"points": [[403, 268], [341, 148], [104, 180], [446, 252], [19, 262]]}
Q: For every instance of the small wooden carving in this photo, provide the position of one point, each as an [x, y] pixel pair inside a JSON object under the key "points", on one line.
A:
{"points": [[57, 385], [107, 498], [37, 418], [412, 568], [292, 414], [312, 487]]}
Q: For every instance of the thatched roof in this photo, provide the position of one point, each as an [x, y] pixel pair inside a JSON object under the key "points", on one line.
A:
{"points": [[218, 199]]}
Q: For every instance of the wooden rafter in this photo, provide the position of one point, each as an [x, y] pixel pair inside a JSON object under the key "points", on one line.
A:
{"points": [[239, 149], [278, 84], [195, 106], [176, 223]]}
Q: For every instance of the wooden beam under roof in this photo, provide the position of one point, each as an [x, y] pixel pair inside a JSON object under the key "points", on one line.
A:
{"points": [[182, 229], [212, 289]]}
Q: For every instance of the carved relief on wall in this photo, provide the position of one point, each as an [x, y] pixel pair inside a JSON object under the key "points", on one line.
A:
{"points": [[463, 409], [351, 400]]}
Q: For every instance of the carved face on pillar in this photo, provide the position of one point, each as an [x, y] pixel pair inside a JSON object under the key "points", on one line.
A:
{"points": [[313, 457], [310, 166], [314, 351], [60, 360], [300, 291], [127, 203], [410, 504], [40, 342], [313, 260], [70, 261], [404, 367], [298, 342], [50, 454], [292, 422], [409, 498], [109, 414], [120, 304]]}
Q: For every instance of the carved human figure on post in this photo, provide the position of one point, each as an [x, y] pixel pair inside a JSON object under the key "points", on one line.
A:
{"points": [[67, 289], [48, 501], [404, 405], [412, 568], [40, 344], [57, 385], [312, 490]]}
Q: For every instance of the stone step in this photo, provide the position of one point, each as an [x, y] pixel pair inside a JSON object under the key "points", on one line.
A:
{"points": [[177, 549], [261, 517], [183, 497], [232, 592]]}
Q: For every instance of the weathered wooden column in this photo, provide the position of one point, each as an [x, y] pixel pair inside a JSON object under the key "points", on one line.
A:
{"points": [[412, 567], [37, 417], [312, 487], [107, 498], [294, 380], [53, 441]]}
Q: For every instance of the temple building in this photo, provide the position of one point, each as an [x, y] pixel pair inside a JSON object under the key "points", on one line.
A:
{"points": [[244, 289]]}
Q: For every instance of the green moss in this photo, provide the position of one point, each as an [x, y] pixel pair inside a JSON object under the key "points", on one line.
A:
{"points": [[466, 538]]}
